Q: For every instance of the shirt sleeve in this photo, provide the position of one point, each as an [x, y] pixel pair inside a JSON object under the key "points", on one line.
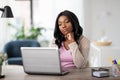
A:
{"points": [[80, 52]]}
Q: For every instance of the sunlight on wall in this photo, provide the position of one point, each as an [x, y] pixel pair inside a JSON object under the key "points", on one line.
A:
{"points": [[46, 11], [4, 33]]}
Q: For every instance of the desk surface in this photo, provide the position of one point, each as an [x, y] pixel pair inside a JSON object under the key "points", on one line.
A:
{"points": [[17, 73]]}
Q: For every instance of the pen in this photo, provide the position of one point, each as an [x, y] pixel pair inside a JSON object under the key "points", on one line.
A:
{"points": [[115, 62]]}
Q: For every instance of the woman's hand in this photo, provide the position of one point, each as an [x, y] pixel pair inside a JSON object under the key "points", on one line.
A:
{"points": [[70, 37]]}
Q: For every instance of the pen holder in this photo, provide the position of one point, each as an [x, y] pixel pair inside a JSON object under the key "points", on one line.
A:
{"points": [[115, 70]]}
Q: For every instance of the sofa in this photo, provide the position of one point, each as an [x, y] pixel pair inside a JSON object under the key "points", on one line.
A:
{"points": [[12, 48]]}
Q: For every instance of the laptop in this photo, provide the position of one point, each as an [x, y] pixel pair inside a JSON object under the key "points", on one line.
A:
{"points": [[41, 60]]}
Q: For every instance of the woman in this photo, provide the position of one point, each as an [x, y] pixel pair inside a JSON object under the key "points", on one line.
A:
{"points": [[73, 46]]}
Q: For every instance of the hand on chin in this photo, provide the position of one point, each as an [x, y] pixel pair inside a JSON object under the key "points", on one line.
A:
{"points": [[70, 37]]}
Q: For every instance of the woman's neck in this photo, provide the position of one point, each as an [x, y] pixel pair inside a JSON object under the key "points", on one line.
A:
{"points": [[65, 44]]}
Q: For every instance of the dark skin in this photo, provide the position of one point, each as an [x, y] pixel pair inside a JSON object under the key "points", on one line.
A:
{"points": [[66, 29]]}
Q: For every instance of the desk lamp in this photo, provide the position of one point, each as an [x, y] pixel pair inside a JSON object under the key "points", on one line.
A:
{"points": [[6, 12]]}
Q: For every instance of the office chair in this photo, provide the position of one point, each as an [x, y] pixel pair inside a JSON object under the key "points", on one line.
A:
{"points": [[13, 51]]}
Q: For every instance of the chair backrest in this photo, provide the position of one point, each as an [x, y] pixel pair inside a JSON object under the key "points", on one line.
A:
{"points": [[12, 48]]}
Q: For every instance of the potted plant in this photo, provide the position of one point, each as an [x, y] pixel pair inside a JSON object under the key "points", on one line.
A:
{"points": [[33, 32], [3, 57]]}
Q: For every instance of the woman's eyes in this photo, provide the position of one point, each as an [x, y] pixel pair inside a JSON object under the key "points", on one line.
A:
{"points": [[59, 24], [67, 21]]}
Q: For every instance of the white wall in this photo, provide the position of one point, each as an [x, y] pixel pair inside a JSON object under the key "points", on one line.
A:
{"points": [[46, 11], [2, 3], [21, 12], [95, 16], [2, 25], [102, 16]]}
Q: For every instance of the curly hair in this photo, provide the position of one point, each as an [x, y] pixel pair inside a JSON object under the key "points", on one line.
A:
{"points": [[77, 29]]}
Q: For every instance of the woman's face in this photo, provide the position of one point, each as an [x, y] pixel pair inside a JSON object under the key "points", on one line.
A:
{"points": [[65, 25]]}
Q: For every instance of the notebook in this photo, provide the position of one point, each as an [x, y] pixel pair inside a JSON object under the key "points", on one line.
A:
{"points": [[41, 60]]}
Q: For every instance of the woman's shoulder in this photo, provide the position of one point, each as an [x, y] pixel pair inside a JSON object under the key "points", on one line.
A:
{"points": [[84, 40]]}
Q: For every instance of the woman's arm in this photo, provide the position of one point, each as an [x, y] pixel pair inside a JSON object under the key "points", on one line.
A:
{"points": [[80, 52]]}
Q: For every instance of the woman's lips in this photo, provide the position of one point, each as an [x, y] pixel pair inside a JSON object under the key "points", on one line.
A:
{"points": [[65, 32]]}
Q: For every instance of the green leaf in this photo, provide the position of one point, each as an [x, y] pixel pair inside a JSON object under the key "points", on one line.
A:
{"points": [[1, 61]]}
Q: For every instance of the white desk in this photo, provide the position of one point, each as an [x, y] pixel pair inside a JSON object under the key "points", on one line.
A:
{"points": [[99, 55]]}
